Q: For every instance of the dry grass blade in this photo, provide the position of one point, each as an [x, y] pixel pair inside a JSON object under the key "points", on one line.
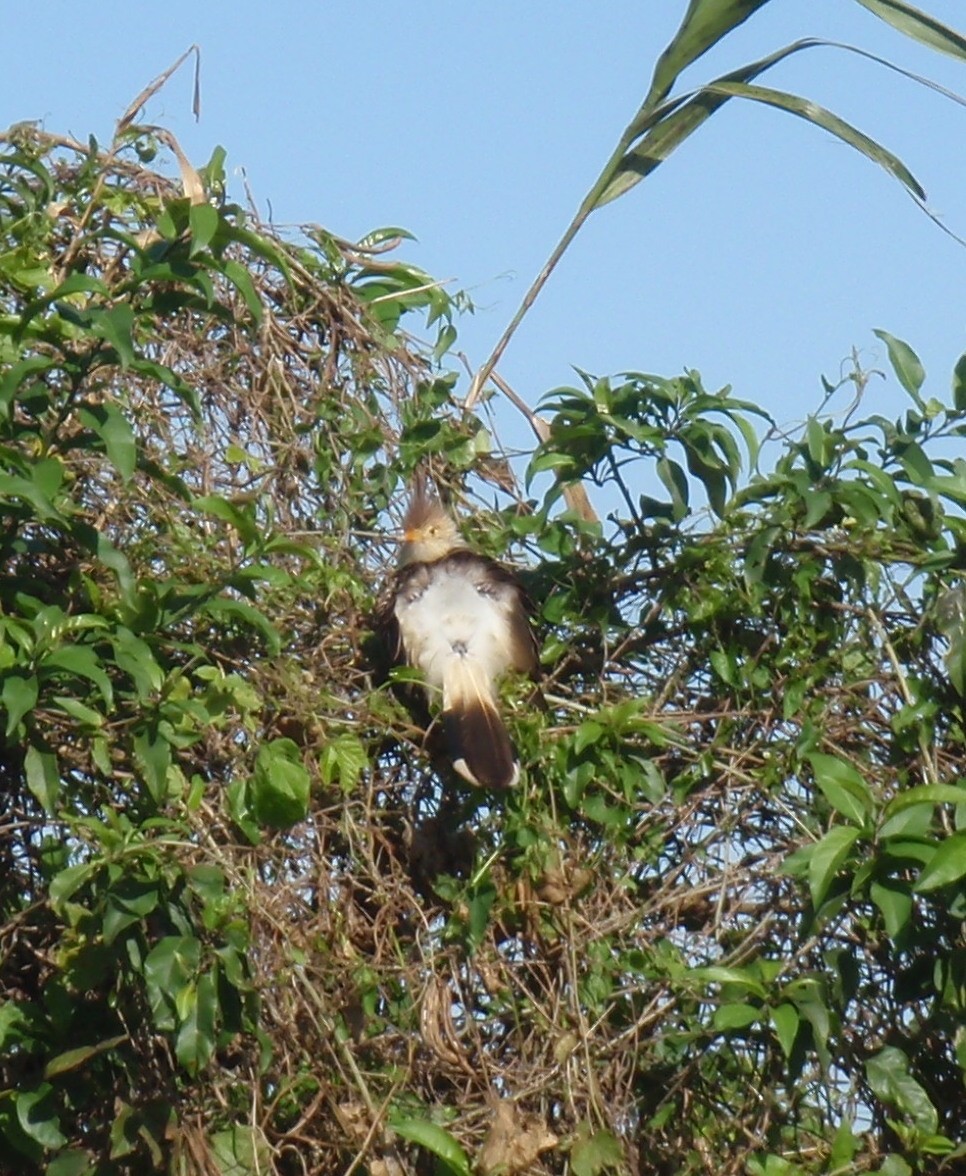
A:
{"points": [[191, 183], [132, 112]]}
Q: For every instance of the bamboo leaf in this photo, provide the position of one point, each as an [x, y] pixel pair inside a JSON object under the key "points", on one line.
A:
{"points": [[919, 25], [665, 128], [820, 117], [705, 23]]}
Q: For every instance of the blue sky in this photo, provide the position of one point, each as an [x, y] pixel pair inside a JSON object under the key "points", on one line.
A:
{"points": [[760, 253]]}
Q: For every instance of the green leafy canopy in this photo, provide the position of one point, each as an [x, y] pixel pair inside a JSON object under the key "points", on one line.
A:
{"points": [[250, 918]]}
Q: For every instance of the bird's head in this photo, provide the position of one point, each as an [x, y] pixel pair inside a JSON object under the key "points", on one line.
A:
{"points": [[429, 532]]}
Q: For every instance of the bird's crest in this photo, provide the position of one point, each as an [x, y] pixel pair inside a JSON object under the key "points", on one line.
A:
{"points": [[429, 531]]}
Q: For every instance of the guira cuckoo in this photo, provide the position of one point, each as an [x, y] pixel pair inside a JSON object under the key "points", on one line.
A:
{"points": [[462, 619]]}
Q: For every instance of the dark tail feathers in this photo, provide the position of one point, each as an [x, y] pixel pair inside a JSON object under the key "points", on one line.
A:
{"points": [[480, 746]]}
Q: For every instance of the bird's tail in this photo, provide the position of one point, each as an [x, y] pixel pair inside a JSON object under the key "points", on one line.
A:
{"points": [[479, 744]]}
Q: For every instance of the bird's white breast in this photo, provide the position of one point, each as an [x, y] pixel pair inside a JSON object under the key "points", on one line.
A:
{"points": [[455, 612]]}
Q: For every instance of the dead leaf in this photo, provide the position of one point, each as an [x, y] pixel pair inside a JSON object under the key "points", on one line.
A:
{"points": [[387, 1166], [514, 1141], [354, 1120], [559, 884], [191, 183], [128, 117], [574, 494]]}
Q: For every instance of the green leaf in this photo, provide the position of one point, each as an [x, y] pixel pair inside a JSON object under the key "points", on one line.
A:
{"points": [[657, 130], [83, 662], [931, 794], [914, 821], [888, 1075], [446, 339], [906, 365], [820, 117], [676, 483], [13, 487], [172, 962], [241, 1150], [241, 279], [113, 428], [786, 1019], [479, 907], [705, 23], [893, 1165], [272, 251], [723, 664], [68, 881], [224, 607], [895, 904], [18, 698], [586, 735], [17, 373], [203, 221], [241, 518], [592, 1154], [757, 553], [843, 787], [195, 1042], [435, 1140], [37, 1116], [818, 441], [280, 785], [844, 1147], [343, 758], [947, 864], [735, 1016], [110, 557], [827, 858], [716, 974], [135, 657], [43, 776], [171, 379], [70, 1163], [152, 754], [919, 25], [73, 1059], [238, 802], [952, 486], [130, 901], [959, 384], [812, 1005], [115, 326]]}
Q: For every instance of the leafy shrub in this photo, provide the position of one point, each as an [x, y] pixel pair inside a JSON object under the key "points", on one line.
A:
{"points": [[251, 922]]}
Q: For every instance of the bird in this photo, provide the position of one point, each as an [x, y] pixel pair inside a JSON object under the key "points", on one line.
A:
{"points": [[462, 619]]}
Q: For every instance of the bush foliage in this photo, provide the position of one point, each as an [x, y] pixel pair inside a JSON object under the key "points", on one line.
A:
{"points": [[250, 923]]}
